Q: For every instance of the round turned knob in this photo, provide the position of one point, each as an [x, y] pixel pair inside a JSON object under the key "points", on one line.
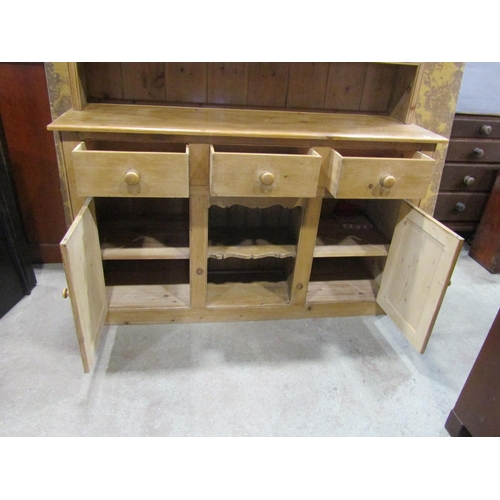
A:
{"points": [[478, 153], [460, 207], [267, 178], [132, 177], [469, 180], [387, 181], [486, 129], [65, 293]]}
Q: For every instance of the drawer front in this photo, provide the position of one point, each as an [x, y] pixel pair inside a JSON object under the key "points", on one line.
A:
{"points": [[374, 177], [471, 150], [468, 177], [131, 173], [460, 206], [264, 174], [480, 127]]}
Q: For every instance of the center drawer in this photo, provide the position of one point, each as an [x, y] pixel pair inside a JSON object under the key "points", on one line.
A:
{"points": [[386, 176], [124, 173], [264, 172]]}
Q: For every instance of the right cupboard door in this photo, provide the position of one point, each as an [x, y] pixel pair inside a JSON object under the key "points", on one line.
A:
{"points": [[419, 266]]}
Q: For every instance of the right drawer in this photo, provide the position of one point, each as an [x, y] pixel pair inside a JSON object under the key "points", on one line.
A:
{"points": [[379, 176], [460, 206]]}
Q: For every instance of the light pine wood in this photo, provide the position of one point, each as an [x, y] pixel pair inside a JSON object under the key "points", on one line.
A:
{"points": [[148, 296], [256, 294], [318, 265], [241, 123], [360, 177], [118, 315], [77, 84], [82, 263], [421, 259], [103, 173], [299, 281], [341, 291], [246, 251], [145, 253], [240, 174]]}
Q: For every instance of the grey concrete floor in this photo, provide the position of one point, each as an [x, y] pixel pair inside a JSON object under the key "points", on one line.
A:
{"points": [[322, 377]]}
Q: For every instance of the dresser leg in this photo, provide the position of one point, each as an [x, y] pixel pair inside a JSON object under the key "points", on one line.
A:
{"points": [[455, 427]]}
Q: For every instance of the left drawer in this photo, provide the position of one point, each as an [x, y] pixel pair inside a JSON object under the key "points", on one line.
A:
{"points": [[148, 174]]}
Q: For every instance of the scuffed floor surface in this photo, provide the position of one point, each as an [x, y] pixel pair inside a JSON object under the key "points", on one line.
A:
{"points": [[321, 377]]}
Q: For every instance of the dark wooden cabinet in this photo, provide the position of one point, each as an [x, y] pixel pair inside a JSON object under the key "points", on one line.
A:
{"points": [[477, 410], [17, 277], [472, 164], [25, 112]]}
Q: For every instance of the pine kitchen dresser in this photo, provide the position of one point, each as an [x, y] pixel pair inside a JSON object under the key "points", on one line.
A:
{"points": [[202, 192]]}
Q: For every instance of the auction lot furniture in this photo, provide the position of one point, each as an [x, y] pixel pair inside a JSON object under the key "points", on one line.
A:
{"points": [[477, 410], [251, 191]]}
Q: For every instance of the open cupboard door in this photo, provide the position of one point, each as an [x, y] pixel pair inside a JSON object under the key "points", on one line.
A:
{"points": [[420, 262], [81, 255]]}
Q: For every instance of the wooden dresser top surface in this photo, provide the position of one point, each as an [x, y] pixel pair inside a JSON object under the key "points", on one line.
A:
{"points": [[243, 123]]}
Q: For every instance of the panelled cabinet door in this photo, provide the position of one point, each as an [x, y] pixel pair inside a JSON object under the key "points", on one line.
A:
{"points": [[81, 255], [420, 262]]}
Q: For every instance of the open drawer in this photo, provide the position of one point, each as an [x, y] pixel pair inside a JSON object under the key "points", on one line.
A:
{"points": [[264, 172], [132, 173], [379, 176]]}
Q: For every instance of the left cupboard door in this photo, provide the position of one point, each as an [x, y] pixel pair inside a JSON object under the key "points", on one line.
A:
{"points": [[81, 254]]}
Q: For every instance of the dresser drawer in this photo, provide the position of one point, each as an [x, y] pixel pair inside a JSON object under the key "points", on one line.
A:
{"points": [[379, 177], [131, 173], [264, 172], [480, 127], [473, 150], [457, 177], [460, 206]]}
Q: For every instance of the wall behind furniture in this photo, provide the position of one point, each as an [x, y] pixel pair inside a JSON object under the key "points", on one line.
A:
{"points": [[480, 90], [25, 112]]}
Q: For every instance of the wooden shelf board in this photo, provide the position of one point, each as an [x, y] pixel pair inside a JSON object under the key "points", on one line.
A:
{"points": [[256, 294], [342, 291], [216, 122], [148, 296], [338, 238]]}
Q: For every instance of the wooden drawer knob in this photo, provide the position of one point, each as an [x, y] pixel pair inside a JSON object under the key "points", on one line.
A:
{"points": [[132, 177], [267, 178], [486, 129], [469, 180], [388, 181], [478, 153], [460, 207]]}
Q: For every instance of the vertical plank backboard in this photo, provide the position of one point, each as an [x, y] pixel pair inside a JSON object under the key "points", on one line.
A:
{"points": [[307, 85], [345, 86], [377, 89], [267, 84], [81, 255], [227, 83], [104, 80], [186, 82], [419, 265], [144, 81]]}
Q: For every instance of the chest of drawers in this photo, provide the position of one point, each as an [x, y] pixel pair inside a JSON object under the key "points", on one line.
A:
{"points": [[252, 191], [472, 164]]}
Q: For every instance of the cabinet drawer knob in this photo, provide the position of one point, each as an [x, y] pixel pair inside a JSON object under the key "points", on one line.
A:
{"points": [[132, 177], [486, 129], [460, 207], [469, 180], [388, 181], [478, 153], [267, 178], [65, 293]]}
